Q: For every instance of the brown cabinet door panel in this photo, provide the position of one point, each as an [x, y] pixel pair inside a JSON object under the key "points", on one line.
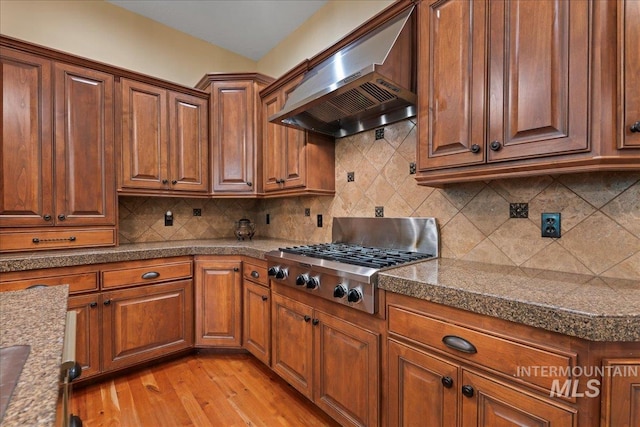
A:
{"points": [[84, 147], [292, 343], [189, 143], [257, 321], [452, 75], [88, 339], [144, 136], [417, 394], [233, 123], [272, 135], [629, 53], [295, 161], [26, 163], [218, 311], [494, 404], [346, 372], [146, 322], [538, 78]]}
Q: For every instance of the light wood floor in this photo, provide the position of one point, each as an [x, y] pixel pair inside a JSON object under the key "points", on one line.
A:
{"points": [[201, 389]]}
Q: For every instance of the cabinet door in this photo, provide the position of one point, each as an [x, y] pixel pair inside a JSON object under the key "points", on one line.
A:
{"points": [[495, 404], [538, 78], [452, 74], [218, 311], [88, 340], [233, 136], [346, 372], [272, 135], [146, 322], [423, 390], [144, 136], [294, 167], [188, 143], [257, 321], [621, 393], [292, 342], [26, 162], [629, 54], [84, 147]]}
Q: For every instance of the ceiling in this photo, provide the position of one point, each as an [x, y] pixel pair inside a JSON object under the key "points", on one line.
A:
{"points": [[249, 28]]}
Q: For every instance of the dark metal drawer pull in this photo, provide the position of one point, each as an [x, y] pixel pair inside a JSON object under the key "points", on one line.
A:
{"points": [[255, 274], [151, 275], [459, 344], [61, 239]]}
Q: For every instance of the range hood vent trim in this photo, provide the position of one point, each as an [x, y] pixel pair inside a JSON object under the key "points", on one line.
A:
{"points": [[346, 93]]}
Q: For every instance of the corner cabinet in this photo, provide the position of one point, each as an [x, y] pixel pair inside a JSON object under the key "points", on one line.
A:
{"points": [[58, 134], [218, 302], [513, 89], [234, 111], [295, 162], [164, 142]]}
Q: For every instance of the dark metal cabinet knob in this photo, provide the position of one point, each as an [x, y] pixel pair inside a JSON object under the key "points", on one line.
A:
{"points": [[62, 217], [467, 390], [249, 183], [165, 181], [495, 145], [475, 148], [174, 182], [93, 304], [107, 302], [447, 382], [307, 318], [47, 217], [236, 269], [255, 274], [635, 127], [315, 322], [264, 297]]}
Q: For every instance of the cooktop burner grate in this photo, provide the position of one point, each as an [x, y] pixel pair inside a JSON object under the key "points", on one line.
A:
{"points": [[357, 255]]}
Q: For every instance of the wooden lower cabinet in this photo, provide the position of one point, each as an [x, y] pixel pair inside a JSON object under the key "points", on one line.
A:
{"points": [[256, 325], [218, 302], [146, 322], [621, 393], [88, 334], [333, 362]]}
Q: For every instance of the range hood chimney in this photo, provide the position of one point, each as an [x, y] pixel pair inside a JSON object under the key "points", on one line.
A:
{"points": [[367, 84]]}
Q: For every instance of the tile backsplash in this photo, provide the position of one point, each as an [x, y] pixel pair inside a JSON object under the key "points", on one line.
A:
{"points": [[600, 211]]}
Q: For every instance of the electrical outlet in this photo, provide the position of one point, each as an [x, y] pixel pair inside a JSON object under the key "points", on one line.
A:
{"points": [[168, 219], [267, 219], [351, 176], [518, 210], [379, 134], [319, 220], [412, 168], [550, 225], [197, 212], [307, 212], [379, 211]]}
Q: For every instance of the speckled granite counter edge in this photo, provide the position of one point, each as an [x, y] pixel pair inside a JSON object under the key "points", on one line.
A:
{"points": [[555, 319]]}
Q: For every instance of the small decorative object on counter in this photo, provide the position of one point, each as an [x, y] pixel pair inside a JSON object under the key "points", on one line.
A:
{"points": [[245, 228]]}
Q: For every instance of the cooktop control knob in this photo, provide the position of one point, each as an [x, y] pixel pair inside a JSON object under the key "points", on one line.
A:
{"points": [[340, 291], [302, 279], [354, 295], [282, 273], [313, 283], [272, 271]]}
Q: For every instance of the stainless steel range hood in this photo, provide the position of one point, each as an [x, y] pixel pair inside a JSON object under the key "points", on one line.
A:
{"points": [[367, 84]]}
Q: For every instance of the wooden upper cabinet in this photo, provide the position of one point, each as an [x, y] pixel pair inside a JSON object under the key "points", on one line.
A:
{"points": [[629, 72], [26, 196], [294, 161], [535, 100], [164, 140], [84, 147]]}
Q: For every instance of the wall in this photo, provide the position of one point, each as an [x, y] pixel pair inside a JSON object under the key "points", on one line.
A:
{"points": [[103, 32], [328, 25]]}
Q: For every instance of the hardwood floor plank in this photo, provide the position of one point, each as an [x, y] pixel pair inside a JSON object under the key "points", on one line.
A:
{"points": [[202, 390]]}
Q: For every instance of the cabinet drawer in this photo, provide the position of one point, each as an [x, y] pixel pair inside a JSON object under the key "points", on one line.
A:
{"points": [[256, 271], [140, 273], [82, 282], [530, 364], [33, 240]]}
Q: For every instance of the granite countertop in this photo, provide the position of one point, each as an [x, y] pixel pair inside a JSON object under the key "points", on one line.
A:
{"points": [[35, 318], [590, 307]]}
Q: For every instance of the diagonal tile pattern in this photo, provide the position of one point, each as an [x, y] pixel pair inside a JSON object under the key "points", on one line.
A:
{"points": [[600, 211]]}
